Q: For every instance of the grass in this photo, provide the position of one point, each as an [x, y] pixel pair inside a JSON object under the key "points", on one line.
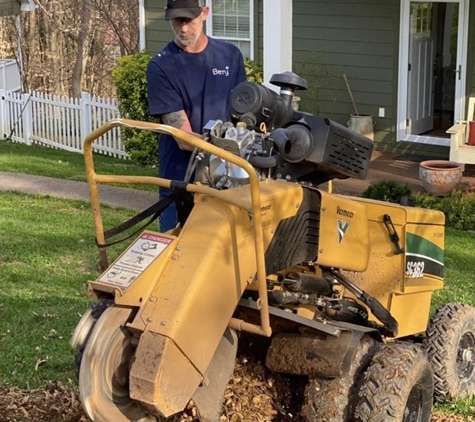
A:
{"points": [[51, 162], [47, 255]]}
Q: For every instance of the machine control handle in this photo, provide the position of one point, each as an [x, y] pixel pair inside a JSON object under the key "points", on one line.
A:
{"points": [[391, 326], [392, 234]]}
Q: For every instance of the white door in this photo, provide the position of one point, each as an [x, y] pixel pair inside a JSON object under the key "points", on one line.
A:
{"points": [[420, 94], [424, 38]]}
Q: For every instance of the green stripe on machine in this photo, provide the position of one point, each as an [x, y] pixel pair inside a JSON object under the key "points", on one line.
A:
{"points": [[423, 257], [417, 245]]}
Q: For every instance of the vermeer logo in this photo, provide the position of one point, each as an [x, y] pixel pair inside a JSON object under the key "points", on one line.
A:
{"points": [[344, 213], [342, 229], [221, 72]]}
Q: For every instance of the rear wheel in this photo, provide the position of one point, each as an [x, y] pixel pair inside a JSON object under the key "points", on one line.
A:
{"points": [[104, 371], [398, 386], [450, 344], [333, 400]]}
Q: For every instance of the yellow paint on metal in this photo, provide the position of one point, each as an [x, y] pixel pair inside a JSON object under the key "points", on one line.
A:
{"points": [[140, 290], [424, 216], [344, 236], [202, 283], [411, 312], [385, 277]]}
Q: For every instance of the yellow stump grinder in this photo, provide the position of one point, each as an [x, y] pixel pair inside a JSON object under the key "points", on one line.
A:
{"points": [[341, 285]]}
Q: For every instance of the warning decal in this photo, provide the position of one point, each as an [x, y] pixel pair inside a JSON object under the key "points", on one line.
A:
{"points": [[135, 260]]}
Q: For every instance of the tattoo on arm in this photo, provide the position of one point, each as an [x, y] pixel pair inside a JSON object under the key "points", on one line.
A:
{"points": [[174, 119]]}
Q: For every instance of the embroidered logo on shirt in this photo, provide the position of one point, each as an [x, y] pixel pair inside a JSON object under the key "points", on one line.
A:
{"points": [[221, 72]]}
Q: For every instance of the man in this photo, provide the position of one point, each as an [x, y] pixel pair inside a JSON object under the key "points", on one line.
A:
{"points": [[188, 84]]}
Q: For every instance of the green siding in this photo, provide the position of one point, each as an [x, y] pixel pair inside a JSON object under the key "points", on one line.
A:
{"points": [[9, 7], [336, 37], [158, 32]]}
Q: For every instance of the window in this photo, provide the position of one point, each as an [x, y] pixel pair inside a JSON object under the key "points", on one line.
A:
{"points": [[232, 21], [421, 18]]}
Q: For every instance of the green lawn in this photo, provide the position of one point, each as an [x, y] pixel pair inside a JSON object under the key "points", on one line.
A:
{"points": [[47, 255], [50, 162]]}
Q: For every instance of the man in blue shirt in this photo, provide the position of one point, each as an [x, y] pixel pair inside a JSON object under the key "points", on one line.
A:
{"points": [[189, 82]]}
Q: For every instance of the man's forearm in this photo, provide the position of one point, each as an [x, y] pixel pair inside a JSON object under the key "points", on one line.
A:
{"points": [[179, 120]]}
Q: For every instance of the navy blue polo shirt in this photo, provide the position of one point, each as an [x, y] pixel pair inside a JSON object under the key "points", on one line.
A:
{"points": [[199, 84]]}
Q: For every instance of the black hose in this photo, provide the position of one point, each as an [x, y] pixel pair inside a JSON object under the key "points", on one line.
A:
{"points": [[266, 162]]}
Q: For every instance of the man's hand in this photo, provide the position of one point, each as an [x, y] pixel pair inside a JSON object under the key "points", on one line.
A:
{"points": [[180, 120]]}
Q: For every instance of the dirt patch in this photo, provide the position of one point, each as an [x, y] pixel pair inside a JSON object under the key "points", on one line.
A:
{"points": [[253, 395]]}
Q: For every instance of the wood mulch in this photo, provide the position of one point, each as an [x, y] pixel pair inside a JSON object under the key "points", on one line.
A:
{"points": [[253, 395]]}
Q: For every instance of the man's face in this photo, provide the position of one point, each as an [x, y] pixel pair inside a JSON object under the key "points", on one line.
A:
{"points": [[188, 30]]}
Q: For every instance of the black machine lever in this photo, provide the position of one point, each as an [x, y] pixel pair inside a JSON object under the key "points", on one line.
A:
{"points": [[392, 234], [391, 326]]}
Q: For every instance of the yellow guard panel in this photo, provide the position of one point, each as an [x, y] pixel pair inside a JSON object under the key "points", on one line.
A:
{"points": [[344, 237]]}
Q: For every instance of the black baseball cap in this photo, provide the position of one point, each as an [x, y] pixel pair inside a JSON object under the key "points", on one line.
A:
{"points": [[188, 9]]}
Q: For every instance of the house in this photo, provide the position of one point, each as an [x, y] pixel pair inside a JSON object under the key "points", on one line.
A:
{"points": [[11, 71], [410, 64], [14, 7]]}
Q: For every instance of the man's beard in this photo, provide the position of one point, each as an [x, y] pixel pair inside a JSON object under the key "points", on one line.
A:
{"points": [[189, 40]]}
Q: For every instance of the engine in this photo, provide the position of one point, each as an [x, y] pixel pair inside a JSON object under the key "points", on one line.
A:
{"points": [[282, 143]]}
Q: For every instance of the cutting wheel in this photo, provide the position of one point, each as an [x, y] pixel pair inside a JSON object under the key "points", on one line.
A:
{"points": [[104, 371], [82, 330]]}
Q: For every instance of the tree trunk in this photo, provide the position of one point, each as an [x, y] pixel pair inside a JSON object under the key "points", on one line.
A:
{"points": [[81, 56]]}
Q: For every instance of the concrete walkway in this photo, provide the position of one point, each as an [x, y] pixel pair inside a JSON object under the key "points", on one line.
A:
{"points": [[69, 189], [384, 166]]}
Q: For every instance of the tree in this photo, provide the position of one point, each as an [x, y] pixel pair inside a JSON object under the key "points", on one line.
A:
{"points": [[72, 45]]}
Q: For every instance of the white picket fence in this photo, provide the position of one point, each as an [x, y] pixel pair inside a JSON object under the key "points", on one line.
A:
{"points": [[59, 122]]}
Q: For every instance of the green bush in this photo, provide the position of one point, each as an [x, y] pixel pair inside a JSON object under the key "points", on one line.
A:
{"points": [[388, 191], [458, 207], [130, 79], [131, 82], [254, 71]]}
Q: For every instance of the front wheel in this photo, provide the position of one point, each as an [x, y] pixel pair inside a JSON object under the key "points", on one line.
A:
{"points": [[450, 344], [333, 400], [398, 386]]}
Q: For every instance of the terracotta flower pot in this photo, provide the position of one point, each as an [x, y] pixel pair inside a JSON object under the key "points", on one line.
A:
{"points": [[439, 177]]}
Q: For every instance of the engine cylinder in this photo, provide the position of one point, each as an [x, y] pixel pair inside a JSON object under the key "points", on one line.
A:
{"points": [[256, 104]]}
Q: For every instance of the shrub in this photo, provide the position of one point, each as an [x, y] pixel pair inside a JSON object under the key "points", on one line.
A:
{"points": [[130, 79], [458, 207], [388, 191], [254, 71]]}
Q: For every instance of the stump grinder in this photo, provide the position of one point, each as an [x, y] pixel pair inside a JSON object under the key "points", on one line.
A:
{"points": [[341, 285]]}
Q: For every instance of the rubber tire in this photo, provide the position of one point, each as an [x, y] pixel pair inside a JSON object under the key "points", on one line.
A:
{"points": [[334, 400], [450, 324], [398, 372]]}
